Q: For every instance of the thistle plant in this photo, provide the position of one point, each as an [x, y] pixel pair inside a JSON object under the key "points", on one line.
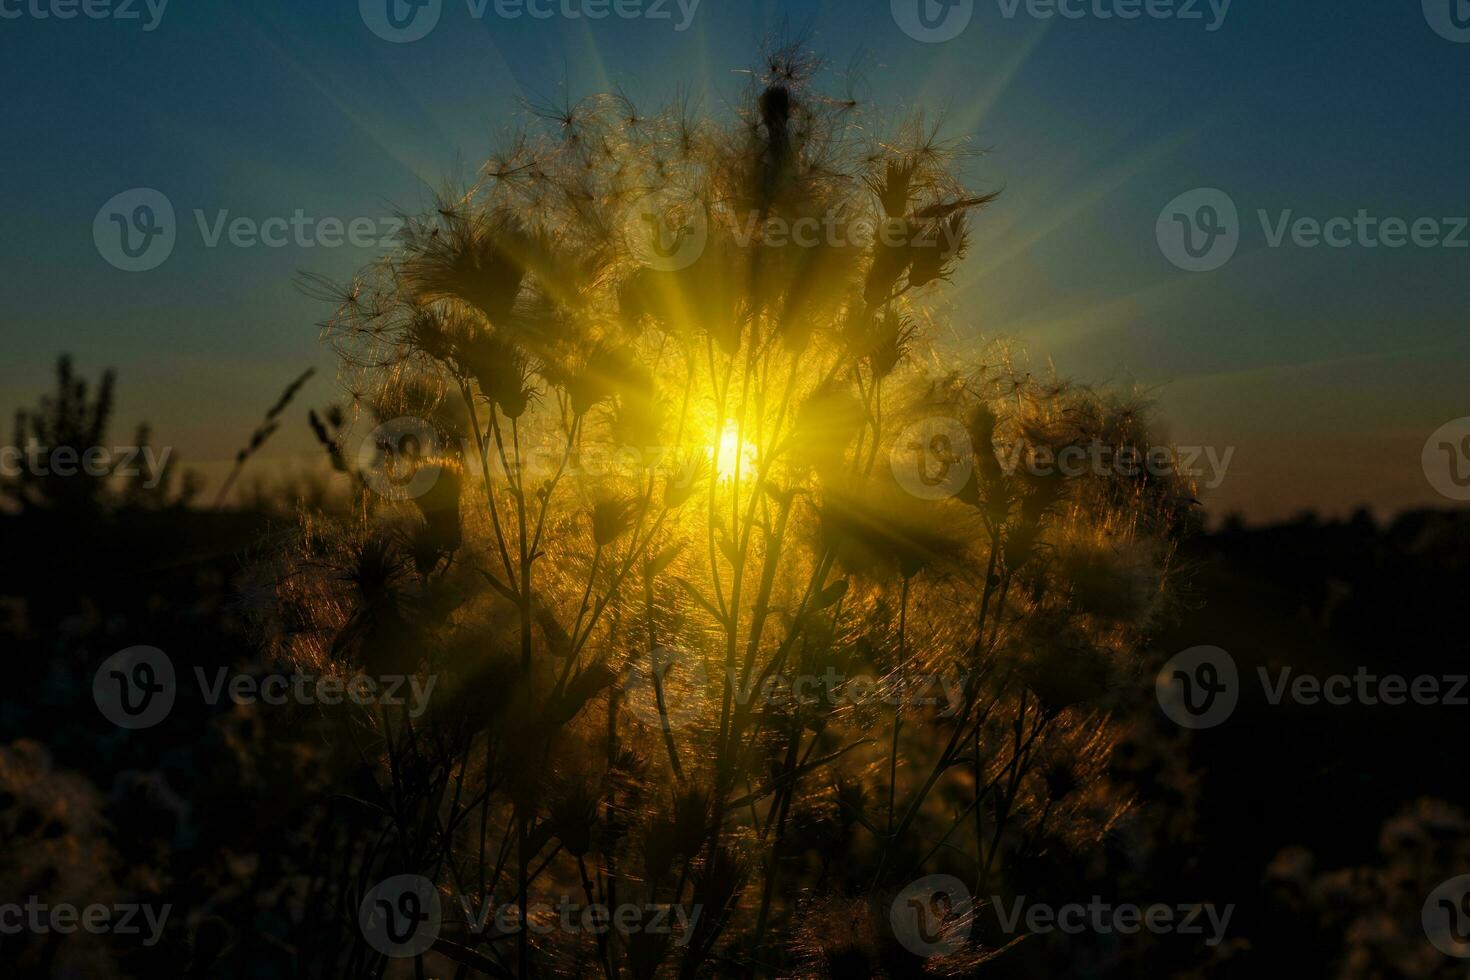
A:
{"points": [[660, 371]]}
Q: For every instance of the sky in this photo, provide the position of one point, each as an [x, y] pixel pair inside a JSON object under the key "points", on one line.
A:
{"points": [[1320, 369]]}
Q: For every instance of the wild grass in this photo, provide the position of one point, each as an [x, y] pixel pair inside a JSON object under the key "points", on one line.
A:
{"points": [[596, 629]]}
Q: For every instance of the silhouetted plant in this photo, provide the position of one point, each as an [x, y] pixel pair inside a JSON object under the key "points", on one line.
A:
{"points": [[262, 433], [597, 634], [75, 421]]}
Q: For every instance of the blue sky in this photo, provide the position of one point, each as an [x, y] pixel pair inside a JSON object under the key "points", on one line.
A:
{"points": [[1325, 368]]}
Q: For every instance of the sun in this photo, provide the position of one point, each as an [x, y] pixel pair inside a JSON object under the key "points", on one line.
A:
{"points": [[733, 455]]}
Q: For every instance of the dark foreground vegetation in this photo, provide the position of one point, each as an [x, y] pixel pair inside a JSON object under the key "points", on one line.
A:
{"points": [[1308, 819]]}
